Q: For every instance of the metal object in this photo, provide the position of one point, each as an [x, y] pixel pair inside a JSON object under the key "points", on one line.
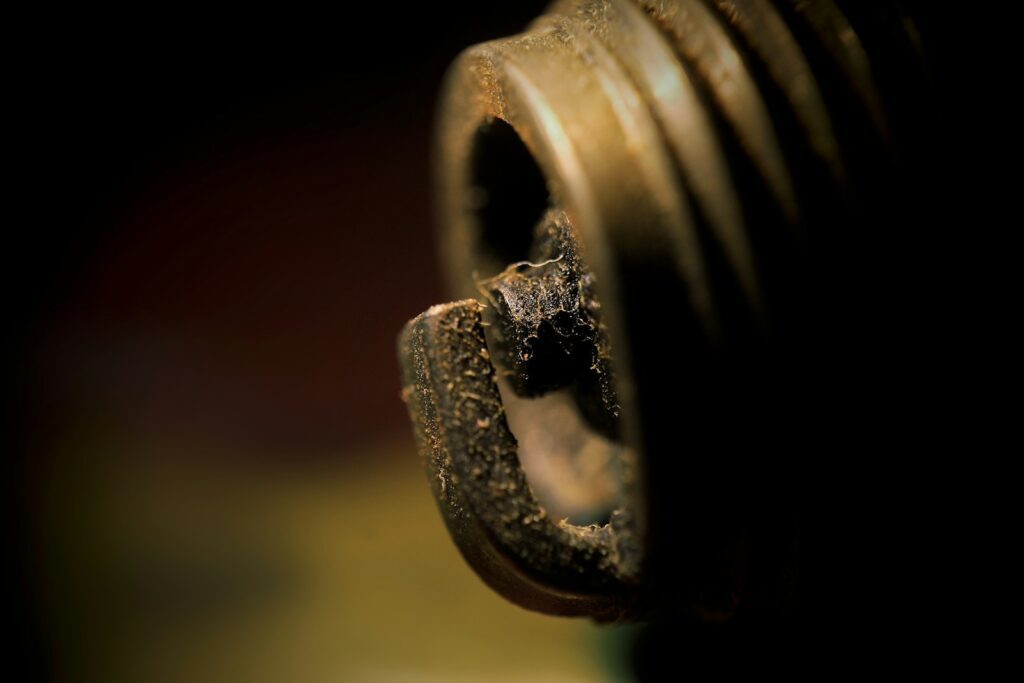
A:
{"points": [[656, 208]]}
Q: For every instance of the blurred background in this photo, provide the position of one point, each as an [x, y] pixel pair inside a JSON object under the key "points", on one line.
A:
{"points": [[213, 477]]}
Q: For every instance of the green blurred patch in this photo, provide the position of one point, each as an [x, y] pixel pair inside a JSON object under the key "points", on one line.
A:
{"points": [[180, 562]]}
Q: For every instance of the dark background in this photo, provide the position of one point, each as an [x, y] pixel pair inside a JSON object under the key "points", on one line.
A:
{"points": [[258, 179]]}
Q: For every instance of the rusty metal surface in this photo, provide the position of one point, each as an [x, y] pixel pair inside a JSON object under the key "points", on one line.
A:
{"points": [[482, 491], [655, 208], [544, 320]]}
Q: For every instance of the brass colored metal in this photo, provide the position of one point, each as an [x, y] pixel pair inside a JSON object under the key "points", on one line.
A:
{"points": [[701, 38], [772, 44], [628, 194]]}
